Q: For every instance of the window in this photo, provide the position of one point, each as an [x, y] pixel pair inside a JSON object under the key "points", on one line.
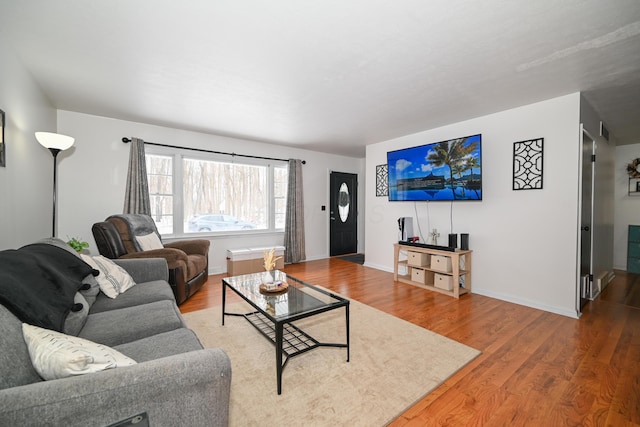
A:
{"points": [[215, 196], [160, 177], [280, 179]]}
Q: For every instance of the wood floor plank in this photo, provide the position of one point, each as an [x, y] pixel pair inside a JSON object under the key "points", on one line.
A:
{"points": [[536, 368], [626, 400]]}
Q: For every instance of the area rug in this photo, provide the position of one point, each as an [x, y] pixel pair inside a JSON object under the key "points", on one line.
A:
{"points": [[393, 364]]}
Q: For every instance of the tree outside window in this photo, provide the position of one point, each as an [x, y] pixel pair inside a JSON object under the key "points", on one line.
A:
{"points": [[160, 177]]}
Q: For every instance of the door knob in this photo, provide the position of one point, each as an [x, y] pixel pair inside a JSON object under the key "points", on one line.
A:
{"points": [[585, 228]]}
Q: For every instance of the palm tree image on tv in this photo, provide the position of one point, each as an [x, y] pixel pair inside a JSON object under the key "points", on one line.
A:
{"points": [[448, 170]]}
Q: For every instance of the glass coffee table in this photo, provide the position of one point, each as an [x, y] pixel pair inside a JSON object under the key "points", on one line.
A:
{"points": [[276, 310]]}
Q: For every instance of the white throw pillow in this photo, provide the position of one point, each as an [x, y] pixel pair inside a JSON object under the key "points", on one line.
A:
{"points": [[113, 279], [56, 355], [149, 242]]}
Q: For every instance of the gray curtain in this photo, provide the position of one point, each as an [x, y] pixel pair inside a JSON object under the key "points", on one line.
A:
{"points": [[294, 222], [136, 196]]}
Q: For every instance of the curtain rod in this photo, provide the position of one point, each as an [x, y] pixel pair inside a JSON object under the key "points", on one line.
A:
{"points": [[127, 140]]}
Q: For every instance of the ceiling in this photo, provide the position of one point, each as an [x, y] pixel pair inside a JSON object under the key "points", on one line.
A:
{"points": [[331, 75]]}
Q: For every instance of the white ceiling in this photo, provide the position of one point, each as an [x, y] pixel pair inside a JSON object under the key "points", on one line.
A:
{"points": [[329, 75]]}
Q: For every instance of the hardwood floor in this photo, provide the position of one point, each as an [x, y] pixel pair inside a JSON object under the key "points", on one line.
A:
{"points": [[536, 368]]}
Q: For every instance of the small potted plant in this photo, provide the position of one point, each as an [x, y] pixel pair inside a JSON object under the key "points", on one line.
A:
{"points": [[77, 244]]}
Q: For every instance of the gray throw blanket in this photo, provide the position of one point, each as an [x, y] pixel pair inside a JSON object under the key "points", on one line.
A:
{"points": [[38, 283]]}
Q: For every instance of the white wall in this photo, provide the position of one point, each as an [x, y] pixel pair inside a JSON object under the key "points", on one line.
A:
{"points": [[93, 176], [524, 242], [627, 208], [26, 182]]}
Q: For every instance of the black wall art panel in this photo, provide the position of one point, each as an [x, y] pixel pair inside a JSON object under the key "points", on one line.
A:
{"points": [[382, 181], [527, 164]]}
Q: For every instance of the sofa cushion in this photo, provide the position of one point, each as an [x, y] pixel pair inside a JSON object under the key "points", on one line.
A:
{"points": [[142, 293], [15, 366], [161, 345], [128, 324], [38, 283], [55, 355], [113, 279]]}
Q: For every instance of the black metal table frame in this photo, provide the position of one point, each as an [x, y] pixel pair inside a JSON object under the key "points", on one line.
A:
{"points": [[283, 331]]}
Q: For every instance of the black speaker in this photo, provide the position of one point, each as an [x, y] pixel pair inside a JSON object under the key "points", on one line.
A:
{"points": [[453, 240], [464, 241]]}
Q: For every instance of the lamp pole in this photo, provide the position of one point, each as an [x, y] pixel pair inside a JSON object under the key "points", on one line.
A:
{"points": [[55, 152], [55, 143]]}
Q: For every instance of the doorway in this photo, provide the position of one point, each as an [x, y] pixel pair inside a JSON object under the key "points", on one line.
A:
{"points": [[585, 283], [343, 213]]}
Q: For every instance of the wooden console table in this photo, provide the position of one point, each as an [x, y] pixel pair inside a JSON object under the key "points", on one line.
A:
{"points": [[433, 269]]}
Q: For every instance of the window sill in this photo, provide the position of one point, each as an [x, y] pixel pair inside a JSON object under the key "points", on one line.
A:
{"points": [[221, 235]]}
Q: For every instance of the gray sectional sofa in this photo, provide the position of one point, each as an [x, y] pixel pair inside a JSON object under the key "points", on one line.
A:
{"points": [[175, 381]]}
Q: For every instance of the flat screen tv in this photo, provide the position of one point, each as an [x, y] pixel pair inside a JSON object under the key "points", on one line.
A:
{"points": [[441, 171]]}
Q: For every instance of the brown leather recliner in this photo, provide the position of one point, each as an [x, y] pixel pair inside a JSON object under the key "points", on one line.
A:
{"points": [[188, 260]]}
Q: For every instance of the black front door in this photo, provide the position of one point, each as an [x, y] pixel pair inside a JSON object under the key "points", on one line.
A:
{"points": [[343, 213]]}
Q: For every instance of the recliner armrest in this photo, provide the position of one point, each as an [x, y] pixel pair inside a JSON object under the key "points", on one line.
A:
{"points": [[191, 247], [173, 256]]}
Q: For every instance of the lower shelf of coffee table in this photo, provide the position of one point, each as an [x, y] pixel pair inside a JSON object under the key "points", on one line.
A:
{"points": [[294, 340]]}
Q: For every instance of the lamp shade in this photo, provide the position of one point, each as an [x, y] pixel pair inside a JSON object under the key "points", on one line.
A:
{"points": [[54, 140]]}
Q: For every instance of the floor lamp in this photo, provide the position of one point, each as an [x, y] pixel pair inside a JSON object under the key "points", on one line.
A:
{"points": [[55, 143]]}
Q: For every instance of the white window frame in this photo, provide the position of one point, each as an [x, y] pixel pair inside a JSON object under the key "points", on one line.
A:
{"points": [[178, 212]]}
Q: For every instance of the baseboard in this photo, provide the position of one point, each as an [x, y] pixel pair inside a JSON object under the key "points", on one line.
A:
{"points": [[315, 258], [527, 303], [216, 270], [378, 267]]}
